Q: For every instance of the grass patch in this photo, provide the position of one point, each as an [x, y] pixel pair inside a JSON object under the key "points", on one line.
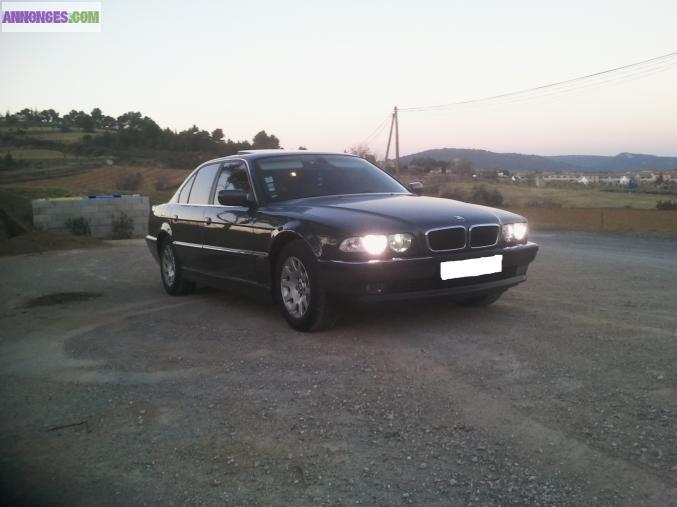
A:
{"points": [[602, 219], [106, 180], [58, 137], [50, 133], [36, 154], [523, 196]]}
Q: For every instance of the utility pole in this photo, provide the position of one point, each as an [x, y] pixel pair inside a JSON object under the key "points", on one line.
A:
{"points": [[394, 123], [397, 143], [390, 137]]}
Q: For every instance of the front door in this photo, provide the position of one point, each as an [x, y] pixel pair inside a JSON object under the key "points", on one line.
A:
{"points": [[235, 243]]}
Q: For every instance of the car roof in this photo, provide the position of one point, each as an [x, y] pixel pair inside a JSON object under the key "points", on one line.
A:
{"points": [[256, 154]]}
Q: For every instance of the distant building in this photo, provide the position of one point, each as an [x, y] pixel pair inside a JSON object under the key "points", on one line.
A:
{"points": [[583, 179]]}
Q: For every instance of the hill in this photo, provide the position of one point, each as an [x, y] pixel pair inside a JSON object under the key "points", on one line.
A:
{"points": [[563, 163], [621, 162]]}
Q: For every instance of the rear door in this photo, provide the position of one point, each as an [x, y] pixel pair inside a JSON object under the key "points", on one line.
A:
{"points": [[235, 241], [187, 222]]}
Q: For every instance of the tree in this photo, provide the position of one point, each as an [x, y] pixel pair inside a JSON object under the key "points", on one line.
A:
{"points": [[10, 119], [217, 135], [87, 123], [263, 141], [25, 115], [302, 148], [108, 122], [129, 120], [97, 116], [363, 150]]}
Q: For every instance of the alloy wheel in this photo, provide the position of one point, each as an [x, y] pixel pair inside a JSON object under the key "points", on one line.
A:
{"points": [[295, 287], [168, 265]]}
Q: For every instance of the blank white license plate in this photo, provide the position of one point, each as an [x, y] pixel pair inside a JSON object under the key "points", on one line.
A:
{"points": [[471, 267]]}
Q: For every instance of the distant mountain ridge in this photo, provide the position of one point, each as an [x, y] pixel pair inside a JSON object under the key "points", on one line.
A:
{"points": [[559, 163]]}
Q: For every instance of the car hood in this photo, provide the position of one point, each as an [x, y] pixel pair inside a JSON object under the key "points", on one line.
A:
{"points": [[393, 212]]}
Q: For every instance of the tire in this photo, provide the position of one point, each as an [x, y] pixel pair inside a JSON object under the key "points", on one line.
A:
{"points": [[483, 300], [170, 271], [305, 304]]}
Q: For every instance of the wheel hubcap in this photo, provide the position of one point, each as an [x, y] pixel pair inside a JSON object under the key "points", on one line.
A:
{"points": [[295, 287], [168, 265]]}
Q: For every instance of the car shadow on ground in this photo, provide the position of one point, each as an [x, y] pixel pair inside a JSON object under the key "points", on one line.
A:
{"points": [[413, 318]]}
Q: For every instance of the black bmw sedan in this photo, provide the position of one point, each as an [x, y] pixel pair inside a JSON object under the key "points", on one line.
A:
{"points": [[308, 229]]}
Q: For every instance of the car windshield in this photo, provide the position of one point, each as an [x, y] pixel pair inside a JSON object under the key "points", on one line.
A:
{"points": [[290, 177]]}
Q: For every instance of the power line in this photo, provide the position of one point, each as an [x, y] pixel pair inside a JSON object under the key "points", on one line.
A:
{"points": [[633, 70], [376, 131], [564, 90]]}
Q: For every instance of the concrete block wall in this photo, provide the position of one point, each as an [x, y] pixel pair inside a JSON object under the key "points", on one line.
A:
{"points": [[52, 214]]}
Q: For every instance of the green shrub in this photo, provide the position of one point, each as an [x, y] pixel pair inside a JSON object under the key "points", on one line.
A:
{"points": [[482, 195], [79, 226], [455, 193], [123, 226], [668, 204]]}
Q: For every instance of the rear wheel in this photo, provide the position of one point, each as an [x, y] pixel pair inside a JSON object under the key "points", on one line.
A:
{"points": [[170, 269], [483, 300], [304, 302]]}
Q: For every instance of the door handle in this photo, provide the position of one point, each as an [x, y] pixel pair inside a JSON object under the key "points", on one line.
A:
{"points": [[208, 220]]}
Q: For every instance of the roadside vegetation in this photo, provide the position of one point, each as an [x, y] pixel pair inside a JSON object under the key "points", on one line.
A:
{"points": [[46, 154]]}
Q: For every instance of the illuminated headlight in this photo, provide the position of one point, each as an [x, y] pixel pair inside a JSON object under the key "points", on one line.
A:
{"points": [[515, 233], [376, 244]]}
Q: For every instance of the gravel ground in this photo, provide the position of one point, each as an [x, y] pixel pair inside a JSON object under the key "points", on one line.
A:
{"points": [[562, 393]]}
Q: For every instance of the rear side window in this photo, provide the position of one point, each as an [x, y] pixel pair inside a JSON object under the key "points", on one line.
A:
{"points": [[202, 187], [185, 191]]}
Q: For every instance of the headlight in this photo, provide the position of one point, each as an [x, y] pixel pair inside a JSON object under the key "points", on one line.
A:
{"points": [[375, 244], [515, 233], [399, 242]]}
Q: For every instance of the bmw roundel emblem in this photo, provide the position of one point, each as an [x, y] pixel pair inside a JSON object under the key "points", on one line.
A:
{"points": [[458, 217]]}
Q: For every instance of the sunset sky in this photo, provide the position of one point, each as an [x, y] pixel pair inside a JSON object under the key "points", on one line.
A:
{"points": [[326, 74]]}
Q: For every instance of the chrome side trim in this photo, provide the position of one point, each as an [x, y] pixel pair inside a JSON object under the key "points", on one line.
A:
{"points": [[222, 249], [235, 250], [498, 234], [465, 242], [183, 243], [150, 238]]}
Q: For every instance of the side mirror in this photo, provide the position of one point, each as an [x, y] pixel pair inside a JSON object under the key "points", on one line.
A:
{"points": [[416, 187], [234, 198]]}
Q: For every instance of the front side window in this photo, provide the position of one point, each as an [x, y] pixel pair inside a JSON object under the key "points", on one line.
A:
{"points": [[294, 177], [233, 176], [202, 186]]}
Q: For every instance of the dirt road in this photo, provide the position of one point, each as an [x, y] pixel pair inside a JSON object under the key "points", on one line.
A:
{"points": [[563, 393]]}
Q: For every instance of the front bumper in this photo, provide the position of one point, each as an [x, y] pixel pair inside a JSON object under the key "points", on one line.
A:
{"points": [[416, 278], [151, 242]]}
